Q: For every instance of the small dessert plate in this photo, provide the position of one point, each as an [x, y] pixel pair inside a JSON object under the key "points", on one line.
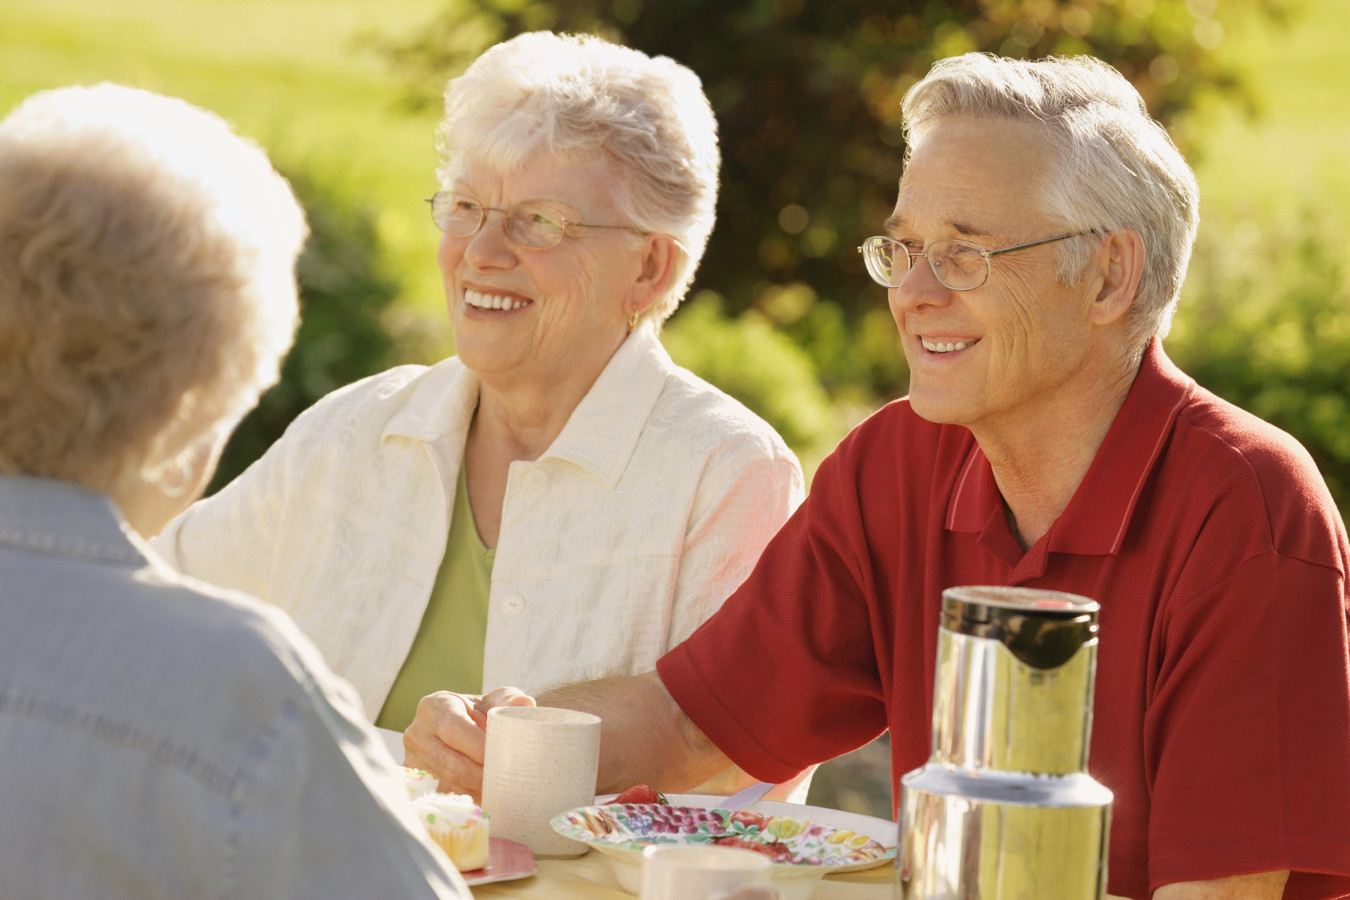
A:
{"points": [[507, 861]]}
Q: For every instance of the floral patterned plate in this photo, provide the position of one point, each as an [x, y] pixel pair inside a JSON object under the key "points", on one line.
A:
{"points": [[783, 838], [802, 851]]}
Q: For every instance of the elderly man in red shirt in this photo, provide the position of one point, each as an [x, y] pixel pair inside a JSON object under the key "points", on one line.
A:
{"points": [[1033, 261]]}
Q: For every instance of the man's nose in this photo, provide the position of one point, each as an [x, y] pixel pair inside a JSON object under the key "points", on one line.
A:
{"points": [[919, 286]]}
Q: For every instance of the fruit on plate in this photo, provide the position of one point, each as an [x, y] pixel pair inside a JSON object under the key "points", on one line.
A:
{"points": [[640, 793], [775, 851]]}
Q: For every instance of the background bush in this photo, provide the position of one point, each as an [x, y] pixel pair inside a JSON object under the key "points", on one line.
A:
{"points": [[1265, 323], [344, 297]]}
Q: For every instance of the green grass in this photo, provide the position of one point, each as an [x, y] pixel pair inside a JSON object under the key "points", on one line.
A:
{"points": [[1299, 146], [292, 74]]}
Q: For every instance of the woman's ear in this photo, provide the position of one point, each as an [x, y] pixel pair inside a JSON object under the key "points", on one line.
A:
{"points": [[657, 270], [1122, 265]]}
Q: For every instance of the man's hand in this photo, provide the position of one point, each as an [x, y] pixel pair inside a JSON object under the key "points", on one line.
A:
{"points": [[447, 736], [1258, 886]]}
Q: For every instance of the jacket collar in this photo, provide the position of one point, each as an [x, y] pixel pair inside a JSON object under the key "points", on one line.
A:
{"points": [[45, 515], [1099, 514], [600, 435]]}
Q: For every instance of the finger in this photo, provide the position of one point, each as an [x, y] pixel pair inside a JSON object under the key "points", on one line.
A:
{"points": [[502, 696], [445, 740]]}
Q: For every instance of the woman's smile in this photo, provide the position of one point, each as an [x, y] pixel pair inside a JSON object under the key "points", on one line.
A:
{"points": [[493, 301]]}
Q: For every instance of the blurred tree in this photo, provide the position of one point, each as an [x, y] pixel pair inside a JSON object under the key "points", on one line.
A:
{"points": [[807, 97], [342, 338], [756, 364], [1264, 322]]}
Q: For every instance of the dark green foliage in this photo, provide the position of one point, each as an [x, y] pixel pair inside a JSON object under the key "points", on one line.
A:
{"points": [[757, 365], [807, 97], [1265, 324], [341, 336]]}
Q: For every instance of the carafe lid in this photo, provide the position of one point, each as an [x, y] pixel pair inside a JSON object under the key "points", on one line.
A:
{"points": [[1042, 628]]}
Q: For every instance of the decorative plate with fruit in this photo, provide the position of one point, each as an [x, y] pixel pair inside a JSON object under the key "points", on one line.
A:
{"points": [[783, 838]]}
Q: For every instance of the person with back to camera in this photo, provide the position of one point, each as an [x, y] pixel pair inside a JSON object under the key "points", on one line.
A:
{"points": [[559, 501], [161, 738], [1033, 263]]}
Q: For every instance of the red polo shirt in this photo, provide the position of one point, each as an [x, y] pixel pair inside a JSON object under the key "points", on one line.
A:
{"points": [[1222, 710]]}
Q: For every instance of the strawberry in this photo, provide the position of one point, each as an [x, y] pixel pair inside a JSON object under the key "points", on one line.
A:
{"points": [[775, 851], [640, 794], [748, 819]]}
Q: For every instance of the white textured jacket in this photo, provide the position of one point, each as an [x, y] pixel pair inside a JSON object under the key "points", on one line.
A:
{"points": [[649, 508]]}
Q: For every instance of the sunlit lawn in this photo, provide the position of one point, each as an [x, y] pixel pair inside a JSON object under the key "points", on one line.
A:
{"points": [[290, 73], [1300, 145]]}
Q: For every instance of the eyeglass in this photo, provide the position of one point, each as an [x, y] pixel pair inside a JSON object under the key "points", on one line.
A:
{"points": [[530, 225], [958, 265]]}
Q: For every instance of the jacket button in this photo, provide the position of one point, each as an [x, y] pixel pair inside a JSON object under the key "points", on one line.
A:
{"points": [[513, 604]]}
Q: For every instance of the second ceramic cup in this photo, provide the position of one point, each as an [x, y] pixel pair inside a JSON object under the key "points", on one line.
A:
{"points": [[539, 761], [704, 872]]}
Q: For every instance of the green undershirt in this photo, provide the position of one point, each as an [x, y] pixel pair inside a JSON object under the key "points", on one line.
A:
{"points": [[447, 654]]}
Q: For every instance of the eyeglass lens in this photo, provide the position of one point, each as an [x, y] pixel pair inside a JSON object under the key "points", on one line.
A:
{"points": [[958, 265], [527, 224]]}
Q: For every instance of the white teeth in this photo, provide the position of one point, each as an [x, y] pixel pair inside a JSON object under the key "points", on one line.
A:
{"points": [[479, 300], [936, 347]]}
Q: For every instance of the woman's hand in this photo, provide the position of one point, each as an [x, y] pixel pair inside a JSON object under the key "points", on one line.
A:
{"points": [[447, 736]]}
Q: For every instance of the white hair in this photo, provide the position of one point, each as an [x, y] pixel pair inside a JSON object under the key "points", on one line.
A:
{"points": [[147, 281], [1115, 166], [579, 98]]}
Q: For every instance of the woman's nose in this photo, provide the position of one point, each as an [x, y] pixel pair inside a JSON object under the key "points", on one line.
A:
{"points": [[489, 246]]}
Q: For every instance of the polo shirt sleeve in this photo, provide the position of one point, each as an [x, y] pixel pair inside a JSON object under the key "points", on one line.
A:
{"points": [[1253, 690], [785, 675]]}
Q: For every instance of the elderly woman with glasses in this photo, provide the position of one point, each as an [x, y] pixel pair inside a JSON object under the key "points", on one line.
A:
{"points": [[558, 501], [161, 738]]}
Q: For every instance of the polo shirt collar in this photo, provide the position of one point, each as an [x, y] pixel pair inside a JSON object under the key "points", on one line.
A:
{"points": [[1098, 515]]}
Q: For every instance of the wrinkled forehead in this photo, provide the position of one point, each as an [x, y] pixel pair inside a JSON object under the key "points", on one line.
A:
{"points": [[574, 187], [978, 173]]}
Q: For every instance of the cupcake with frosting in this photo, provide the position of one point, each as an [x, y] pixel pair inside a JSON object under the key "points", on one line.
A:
{"points": [[456, 823], [419, 782]]}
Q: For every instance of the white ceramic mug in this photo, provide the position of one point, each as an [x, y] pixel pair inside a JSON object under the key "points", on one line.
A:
{"points": [[704, 872], [539, 761]]}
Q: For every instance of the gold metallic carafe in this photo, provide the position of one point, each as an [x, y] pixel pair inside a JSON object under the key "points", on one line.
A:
{"points": [[1004, 808]]}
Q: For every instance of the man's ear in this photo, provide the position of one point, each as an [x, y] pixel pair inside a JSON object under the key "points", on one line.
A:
{"points": [[1121, 261]]}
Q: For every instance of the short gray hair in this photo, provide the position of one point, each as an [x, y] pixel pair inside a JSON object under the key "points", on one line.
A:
{"points": [[578, 97], [147, 281], [1116, 167]]}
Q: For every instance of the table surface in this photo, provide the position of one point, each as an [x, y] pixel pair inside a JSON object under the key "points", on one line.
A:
{"points": [[591, 877]]}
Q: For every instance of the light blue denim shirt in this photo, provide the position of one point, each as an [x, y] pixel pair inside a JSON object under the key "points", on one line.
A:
{"points": [[162, 738]]}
